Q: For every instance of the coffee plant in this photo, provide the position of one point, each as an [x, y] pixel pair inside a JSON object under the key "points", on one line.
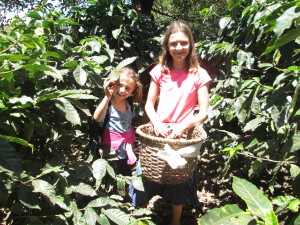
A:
{"points": [[51, 80], [255, 111]]}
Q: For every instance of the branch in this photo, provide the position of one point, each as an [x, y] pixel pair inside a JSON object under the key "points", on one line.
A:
{"points": [[264, 159]]}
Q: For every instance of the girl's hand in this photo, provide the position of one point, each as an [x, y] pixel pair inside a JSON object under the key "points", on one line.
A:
{"points": [[177, 130], [109, 87], [161, 129]]}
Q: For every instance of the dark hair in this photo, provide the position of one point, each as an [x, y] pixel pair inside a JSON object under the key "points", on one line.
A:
{"points": [[138, 91], [192, 58]]}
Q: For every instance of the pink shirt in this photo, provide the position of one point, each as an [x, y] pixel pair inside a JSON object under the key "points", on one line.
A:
{"points": [[178, 92], [115, 139]]}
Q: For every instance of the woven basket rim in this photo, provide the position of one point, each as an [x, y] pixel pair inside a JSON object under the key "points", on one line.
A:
{"points": [[169, 140]]}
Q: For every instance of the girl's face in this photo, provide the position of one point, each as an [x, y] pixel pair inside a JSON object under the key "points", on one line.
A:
{"points": [[124, 87], [179, 46]]}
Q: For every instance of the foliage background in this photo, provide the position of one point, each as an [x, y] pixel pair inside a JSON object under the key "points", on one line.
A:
{"points": [[52, 64]]}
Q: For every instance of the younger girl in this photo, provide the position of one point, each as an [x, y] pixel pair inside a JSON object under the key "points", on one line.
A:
{"points": [[118, 132], [181, 84]]}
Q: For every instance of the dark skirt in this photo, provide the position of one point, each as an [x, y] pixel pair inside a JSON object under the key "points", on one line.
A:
{"points": [[177, 194]]}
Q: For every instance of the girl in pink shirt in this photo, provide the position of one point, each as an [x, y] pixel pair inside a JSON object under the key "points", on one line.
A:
{"points": [[178, 83]]}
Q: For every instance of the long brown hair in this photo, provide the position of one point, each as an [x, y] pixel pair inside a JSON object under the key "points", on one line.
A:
{"points": [[192, 58], [138, 91]]}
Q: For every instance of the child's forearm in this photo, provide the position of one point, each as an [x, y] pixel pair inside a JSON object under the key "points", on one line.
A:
{"points": [[101, 109], [197, 119], [152, 115]]}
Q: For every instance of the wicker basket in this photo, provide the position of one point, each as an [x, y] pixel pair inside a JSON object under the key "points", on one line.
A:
{"points": [[156, 169]]}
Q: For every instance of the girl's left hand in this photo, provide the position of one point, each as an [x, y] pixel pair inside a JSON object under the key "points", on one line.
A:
{"points": [[177, 130]]}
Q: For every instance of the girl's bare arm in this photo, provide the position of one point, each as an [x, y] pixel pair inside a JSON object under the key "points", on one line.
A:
{"points": [[153, 93], [102, 107]]}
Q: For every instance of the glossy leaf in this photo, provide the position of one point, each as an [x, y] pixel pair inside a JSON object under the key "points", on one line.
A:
{"points": [[68, 109], [256, 201], [126, 62], [285, 20], [28, 198], [83, 189], [137, 182], [99, 169], [293, 144], [45, 188], [80, 75], [223, 215], [102, 201], [17, 140], [117, 216], [9, 157], [90, 216]]}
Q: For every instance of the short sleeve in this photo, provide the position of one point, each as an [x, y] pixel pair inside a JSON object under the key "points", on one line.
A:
{"points": [[204, 77], [156, 73]]}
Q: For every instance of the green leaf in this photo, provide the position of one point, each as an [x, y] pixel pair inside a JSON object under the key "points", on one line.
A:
{"points": [[286, 19], [271, 218], [116, 33], [141, 212], [253, 124], [111, 53], [70, 64], [293, 144], [126, 62], [17, 58], [46, 189], [295, 171], [114, 75], [291, 35], [57, 74], [121, 184], [80, 75], [82, 96], [99, 59], [81, 106], [117, 216], [295, 221], [34, 15], [99, 169], [90, 216], [95, 46], [28, 198], [294, 205], [6, 75], [256, 201], [102, 201], [219, 216], [224, 22], [137, 182], [83, 189], [245, 58], [110, 170], [63, 203], [17, 140], [23, 100], [33, 68], [103, 220], [9, 158], [68, 109]]}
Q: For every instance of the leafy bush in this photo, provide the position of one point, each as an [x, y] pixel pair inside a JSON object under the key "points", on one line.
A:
{"points": [[255, 111], [51, 80]]}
